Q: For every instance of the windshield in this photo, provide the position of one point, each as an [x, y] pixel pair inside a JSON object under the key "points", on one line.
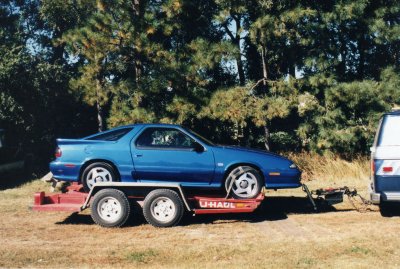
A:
{"points": [[390, 131], [201, 138]]}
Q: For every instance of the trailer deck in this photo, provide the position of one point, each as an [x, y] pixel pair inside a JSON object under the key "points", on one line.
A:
{"points": [[163, 204], [74, 199]]}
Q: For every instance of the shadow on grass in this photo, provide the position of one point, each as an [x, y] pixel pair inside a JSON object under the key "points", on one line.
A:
{"points": [[271, 209], [136, 217], [76, 218], [15, 179]]}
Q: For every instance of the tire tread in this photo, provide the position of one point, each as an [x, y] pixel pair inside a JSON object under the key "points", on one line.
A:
{"points": [[170, 194], [121, 197]]}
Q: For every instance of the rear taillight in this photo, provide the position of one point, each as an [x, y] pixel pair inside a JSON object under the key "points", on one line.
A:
{"points": [[387, 169], [58, 152], [373, 166]]}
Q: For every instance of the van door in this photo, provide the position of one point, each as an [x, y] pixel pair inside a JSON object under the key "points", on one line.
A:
{"points": [[386, 158]]}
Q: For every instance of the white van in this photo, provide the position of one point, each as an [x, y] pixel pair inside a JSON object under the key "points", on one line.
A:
{"points": [[385, 161]]}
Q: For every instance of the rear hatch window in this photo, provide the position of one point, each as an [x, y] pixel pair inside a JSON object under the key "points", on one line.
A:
{"points": [[390, 131], [113, 135]]}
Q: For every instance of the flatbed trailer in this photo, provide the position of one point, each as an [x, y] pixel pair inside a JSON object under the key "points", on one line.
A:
{"points": [[163, 204]]}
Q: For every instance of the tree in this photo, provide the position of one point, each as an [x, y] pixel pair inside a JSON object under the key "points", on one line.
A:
{"points": [[232, 18], [297, 73]]}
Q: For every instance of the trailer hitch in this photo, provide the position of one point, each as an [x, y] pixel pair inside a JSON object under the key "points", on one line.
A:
{"points": [[331, 196]]}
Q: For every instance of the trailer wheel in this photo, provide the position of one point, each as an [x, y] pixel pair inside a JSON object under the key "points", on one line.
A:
{"points": [[163, 208], [110, 208], [244, 182]]}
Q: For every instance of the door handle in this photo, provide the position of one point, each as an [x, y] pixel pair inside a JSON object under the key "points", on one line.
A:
{"points": [[138, 155]]}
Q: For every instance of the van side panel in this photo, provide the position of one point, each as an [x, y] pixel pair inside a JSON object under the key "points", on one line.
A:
{"points": [[385, 155], [387, 176]]}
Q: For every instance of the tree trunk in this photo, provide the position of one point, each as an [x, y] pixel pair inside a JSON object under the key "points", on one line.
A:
{"points": [[138, 69], [292, 70], [136, 7], [361, 50], [265, 77], [266, 137], [138, 10], [58, 50], [343, 54], [99, 108], [240, 68], [264, 65], [239, 62]]}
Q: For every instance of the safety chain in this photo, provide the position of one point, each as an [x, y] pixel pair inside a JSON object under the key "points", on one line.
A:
{"points": [[352, 194]]}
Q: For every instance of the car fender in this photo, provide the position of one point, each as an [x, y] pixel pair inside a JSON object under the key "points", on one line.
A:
{"points": [[89, 161]]}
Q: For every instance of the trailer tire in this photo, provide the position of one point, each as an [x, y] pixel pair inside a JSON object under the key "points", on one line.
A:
{"points": [[110, 208], [163, 208]]}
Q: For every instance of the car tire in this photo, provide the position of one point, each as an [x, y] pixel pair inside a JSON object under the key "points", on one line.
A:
{"points": [[386, 209], [244, 182], [163, 208], [97, 172], [110, 208]]}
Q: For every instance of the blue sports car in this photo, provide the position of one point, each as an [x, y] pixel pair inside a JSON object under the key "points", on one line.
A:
{"points": [[170, 153]]}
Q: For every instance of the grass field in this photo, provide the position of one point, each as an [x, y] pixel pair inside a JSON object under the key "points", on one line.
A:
{"points": [[283, 233]]}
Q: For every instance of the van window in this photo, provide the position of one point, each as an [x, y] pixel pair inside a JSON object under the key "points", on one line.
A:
{"points": [[390, 131]]}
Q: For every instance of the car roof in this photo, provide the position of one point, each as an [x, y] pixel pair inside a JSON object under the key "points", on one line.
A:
{"points": [[149, 124], [132, 126], [393, 113]]}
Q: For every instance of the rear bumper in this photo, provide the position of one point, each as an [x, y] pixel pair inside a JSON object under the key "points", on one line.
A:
{"points": [[390, 196], [65, 171], [385, 189], [377, 198]]}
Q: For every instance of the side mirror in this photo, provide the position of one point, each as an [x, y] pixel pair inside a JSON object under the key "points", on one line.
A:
{"points": [[198, 147]]}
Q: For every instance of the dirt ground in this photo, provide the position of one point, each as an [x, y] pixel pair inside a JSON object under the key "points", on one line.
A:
{"points": [[283, 233]]}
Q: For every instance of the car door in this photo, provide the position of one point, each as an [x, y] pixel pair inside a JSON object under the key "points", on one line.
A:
{"points": [[169, 154]]}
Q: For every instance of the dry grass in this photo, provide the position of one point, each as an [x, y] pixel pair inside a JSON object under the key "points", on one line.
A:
{"points": [[284, 233], [329, 168]]}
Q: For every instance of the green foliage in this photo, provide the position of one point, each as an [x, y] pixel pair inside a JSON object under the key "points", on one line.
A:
{"points": [[346, 122], [316, 75], [281, 141], [10, 110], [126, 107]]}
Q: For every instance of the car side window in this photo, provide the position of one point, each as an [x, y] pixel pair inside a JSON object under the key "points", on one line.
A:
{"points": [[167, 138]]}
